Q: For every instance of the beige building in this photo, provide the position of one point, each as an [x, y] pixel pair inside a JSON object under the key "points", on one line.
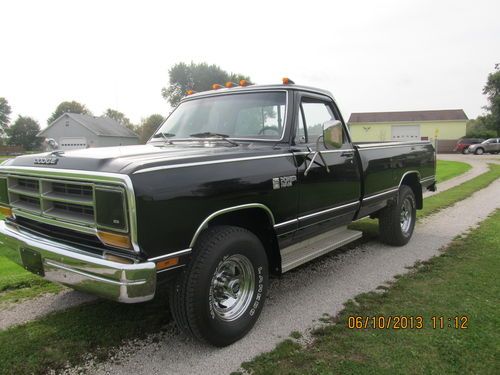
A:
{"points": [[447, 126]]}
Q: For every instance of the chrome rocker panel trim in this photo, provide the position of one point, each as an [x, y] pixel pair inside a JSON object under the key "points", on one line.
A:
{"points": [[67, 265]]}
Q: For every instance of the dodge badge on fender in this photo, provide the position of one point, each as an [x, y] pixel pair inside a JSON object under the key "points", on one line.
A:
{"points": [[238, 184]]}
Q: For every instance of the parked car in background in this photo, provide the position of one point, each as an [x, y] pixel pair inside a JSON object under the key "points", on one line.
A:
{"points": [[464, 143], [491, 146]]}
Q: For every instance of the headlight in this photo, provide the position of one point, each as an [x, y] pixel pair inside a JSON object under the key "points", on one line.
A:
{"points": [[111, 212]]}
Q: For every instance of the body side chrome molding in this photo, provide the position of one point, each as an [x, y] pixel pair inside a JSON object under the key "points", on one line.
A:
{"points": [[205, 222], [382, 147], [328, 210], [284, 223], [380, 194], [333, 209], [325, 151], [86, 176], [171, 255]]}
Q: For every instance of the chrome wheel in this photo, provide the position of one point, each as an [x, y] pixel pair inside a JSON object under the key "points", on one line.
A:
{"points": [[406, 215], [232, 287]]}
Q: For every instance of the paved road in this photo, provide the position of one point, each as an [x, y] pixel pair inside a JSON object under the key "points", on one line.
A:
{"points": [[300, 297]]}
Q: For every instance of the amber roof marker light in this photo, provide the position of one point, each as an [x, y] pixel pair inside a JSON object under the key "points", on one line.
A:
{"points": [[244, 82], [216, 86], [190, 92], [287, 81], [230, 84]]}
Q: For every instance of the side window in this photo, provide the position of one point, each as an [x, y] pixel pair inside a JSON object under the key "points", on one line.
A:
{"points": [[315, 113]]}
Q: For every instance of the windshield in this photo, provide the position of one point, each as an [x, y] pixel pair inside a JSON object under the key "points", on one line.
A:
{"points": [[259, 115]]}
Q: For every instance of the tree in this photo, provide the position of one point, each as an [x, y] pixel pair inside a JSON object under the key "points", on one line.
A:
{"points": [[24, 133], [148, 127], [492, 91], [197, 77], [119, 117], [5, 112], [480, 127], [68, 107]]}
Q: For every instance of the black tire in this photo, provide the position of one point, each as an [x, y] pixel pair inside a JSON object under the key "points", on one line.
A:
{"points": [[194, 295], [479, 151], [393, 231]]}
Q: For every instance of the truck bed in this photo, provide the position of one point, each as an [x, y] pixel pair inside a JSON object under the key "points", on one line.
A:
{"points": [[385, 164]]}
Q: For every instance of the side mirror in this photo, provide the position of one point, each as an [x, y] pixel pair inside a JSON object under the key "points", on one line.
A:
{"points": [[333, 134]]}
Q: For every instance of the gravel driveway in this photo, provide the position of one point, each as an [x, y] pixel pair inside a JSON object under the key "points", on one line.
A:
{"points": [[479, 166], [300, 297]]}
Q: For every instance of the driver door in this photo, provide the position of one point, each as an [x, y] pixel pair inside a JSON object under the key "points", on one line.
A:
{"points": [[327, 199]]}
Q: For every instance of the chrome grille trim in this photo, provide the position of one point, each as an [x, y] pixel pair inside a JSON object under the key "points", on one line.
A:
{"points": [[72, 177]]}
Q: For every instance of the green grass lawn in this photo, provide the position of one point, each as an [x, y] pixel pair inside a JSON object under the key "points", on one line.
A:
{"points": [[17, 284], [448, 169], [463, 281]]}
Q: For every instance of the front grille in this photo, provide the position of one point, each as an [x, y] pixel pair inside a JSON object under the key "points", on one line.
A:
{"points": [[58, 200], [73, 190]]}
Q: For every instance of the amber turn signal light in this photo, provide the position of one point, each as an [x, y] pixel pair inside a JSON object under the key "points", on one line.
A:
{"points": [[216, 86], [167, 263], [6, 211], [114, 239]]}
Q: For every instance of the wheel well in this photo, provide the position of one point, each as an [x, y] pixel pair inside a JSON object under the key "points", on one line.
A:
{"points": [[258, 222], [412, 180]]}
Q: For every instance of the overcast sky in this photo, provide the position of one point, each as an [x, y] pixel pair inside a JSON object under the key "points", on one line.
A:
{"points": [[373, 55]]}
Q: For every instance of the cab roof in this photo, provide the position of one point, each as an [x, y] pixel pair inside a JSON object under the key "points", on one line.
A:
{"points": [[250, 88]]}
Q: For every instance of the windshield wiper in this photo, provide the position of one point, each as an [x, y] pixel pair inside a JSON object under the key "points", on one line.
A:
{"points": [[165, 136], [223, 137]]}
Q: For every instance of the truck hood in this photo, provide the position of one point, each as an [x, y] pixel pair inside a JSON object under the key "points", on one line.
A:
{"points": [[128, 159]]}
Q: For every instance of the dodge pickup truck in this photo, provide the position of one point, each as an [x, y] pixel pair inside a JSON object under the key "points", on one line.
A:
{"points": [[239, 183]]}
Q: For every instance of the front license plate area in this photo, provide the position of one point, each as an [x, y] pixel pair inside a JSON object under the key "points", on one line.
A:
{"points": [[32, 261]]}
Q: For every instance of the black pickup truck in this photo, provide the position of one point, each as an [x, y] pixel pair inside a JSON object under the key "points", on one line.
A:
{"points": [[238, 184]]}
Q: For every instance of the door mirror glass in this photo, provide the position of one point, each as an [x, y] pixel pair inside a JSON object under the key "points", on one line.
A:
{"points": [[333, 134]]}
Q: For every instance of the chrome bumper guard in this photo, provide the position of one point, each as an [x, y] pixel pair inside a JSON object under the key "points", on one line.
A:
{"points": [[128, 283]]}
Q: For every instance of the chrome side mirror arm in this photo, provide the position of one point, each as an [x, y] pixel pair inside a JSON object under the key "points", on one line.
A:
{"points": [[316, 154]]}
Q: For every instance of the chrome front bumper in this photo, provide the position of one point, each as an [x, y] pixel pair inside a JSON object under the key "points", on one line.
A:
{"points": [[128, 283]]}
